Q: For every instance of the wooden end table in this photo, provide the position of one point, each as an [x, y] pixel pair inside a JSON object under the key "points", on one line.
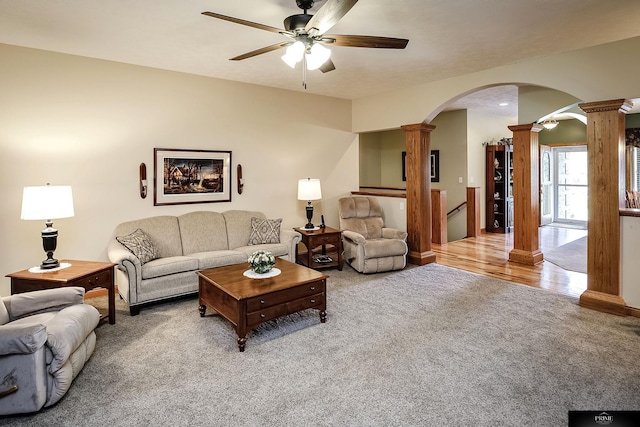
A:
{"points": [[325, 241], [85, 274]]}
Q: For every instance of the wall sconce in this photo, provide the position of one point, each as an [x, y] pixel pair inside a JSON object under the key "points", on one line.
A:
{"points": [[143, 180], [240, 179]]}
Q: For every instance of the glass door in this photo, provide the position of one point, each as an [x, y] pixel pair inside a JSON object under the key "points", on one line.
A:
{"points": [[546, 185], [571, 184]]}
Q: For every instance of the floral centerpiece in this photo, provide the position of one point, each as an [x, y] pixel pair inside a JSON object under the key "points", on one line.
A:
{"points": [[261, 261]]}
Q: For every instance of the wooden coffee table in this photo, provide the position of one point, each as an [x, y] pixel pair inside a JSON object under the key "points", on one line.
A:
{"points": [[247, 303]]}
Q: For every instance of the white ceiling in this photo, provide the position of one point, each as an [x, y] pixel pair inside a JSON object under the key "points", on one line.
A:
{"points": [[447, 38]]}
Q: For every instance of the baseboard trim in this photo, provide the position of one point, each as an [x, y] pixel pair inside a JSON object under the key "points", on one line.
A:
{"points": [[100, 292], [632, 311]]}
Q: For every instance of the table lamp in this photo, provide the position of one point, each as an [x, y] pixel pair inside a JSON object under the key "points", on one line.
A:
{"points": [[309, 189], [47, 202]]}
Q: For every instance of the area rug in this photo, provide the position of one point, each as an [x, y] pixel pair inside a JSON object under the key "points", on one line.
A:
{"points": [[425, 346], [571, 256]]}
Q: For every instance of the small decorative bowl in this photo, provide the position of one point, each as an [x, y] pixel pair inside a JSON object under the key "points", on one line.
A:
{"points": [[261, 261]]}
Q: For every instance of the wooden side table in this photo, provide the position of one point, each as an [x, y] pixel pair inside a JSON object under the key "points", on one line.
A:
{"points": [[325, 241], [86, 274]]}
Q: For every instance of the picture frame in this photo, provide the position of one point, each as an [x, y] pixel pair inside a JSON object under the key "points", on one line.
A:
{"points": [[434, 165], [191, 176]]}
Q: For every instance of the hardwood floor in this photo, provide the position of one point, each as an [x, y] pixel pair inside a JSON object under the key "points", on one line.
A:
{"points": [[488, 254]]}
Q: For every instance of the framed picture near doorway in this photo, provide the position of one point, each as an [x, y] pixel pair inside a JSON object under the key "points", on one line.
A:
{"points": [[435, 165], [191, 176], [434, 162]]}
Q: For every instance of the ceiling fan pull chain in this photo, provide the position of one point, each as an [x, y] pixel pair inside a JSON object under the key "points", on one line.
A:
{"points": [[304, 71]]}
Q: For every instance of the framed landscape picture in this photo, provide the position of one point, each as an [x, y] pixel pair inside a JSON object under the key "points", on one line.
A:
{"points": [[191, 176]]}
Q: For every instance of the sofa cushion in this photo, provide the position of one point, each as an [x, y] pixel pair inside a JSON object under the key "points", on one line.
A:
{"points": [[381, 248], [202, 231], [239, 226], [163, 231], [169, 265], [219, 258], [264, 231], [139, 244], [277, 249]]}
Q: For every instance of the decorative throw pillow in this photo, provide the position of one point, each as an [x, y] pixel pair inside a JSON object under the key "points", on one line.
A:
{"points": [[264, 231], [139, 244]]}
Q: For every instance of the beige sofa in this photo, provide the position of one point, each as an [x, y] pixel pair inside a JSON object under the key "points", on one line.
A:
{"points": [[182, 245]]}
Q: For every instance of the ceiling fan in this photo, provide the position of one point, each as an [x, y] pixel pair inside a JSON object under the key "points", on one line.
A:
{"points": [[307, 36]]}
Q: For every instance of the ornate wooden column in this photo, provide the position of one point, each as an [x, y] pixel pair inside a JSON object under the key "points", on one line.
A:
{"points": [[605, 151], [526, 188], [418, 138]]}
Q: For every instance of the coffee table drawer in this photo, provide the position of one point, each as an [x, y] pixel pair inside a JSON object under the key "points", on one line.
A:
{"points": [[274, 298], [269, 313]]}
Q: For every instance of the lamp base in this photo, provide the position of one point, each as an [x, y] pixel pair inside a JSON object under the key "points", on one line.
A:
{"points": [[309, 209], [49, 243], [50, 262], [309, 226]]}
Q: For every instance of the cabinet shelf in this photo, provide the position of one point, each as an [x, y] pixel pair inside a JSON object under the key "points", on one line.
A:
{"points": [[499, 208]]}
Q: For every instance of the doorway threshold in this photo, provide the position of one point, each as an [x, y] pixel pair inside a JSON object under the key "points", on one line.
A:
{"points": [[567, 225]]}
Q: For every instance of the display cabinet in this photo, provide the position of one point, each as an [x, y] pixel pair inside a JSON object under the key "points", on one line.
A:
{"points": [[499, 212]]}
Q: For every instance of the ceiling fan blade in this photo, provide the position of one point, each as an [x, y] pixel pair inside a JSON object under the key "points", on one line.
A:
{"points": [[328, 16], [327, 66], [243, 22], [366, 41], [261, 51]]}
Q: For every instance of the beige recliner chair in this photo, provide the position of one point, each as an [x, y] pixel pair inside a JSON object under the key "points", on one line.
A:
{"points": [[46, 337], [369, 246]]}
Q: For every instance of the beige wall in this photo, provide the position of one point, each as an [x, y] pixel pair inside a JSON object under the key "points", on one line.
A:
{"points": [[370, 166], [90, 123], [597, 73], [450, 139]]}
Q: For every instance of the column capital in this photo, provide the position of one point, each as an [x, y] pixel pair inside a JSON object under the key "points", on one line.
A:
{"points": [[621, 105], [530, 127], [418, 126]]}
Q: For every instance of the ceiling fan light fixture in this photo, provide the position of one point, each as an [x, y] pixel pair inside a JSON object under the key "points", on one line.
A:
{"points": [[549, 124], [294, 54], [317, 56]]}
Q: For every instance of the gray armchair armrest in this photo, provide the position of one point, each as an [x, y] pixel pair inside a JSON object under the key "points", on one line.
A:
{"points": [[356, 238], [30, 303], [21, 339], [393, 233]]}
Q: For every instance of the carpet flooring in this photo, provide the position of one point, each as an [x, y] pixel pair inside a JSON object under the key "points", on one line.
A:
{"points": [[571, 256], [424, 346]]}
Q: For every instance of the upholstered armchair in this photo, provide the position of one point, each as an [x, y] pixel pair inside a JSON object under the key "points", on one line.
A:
{"points": [[46, 337], [369, 246]]}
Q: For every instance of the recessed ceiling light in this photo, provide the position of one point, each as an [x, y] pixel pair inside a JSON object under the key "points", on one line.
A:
{"points": [[503, 104]]}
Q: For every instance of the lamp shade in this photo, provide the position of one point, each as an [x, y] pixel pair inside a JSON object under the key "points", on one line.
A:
{"points": [[294, 54], [309, 189], [47, 202], [317, 56]]}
